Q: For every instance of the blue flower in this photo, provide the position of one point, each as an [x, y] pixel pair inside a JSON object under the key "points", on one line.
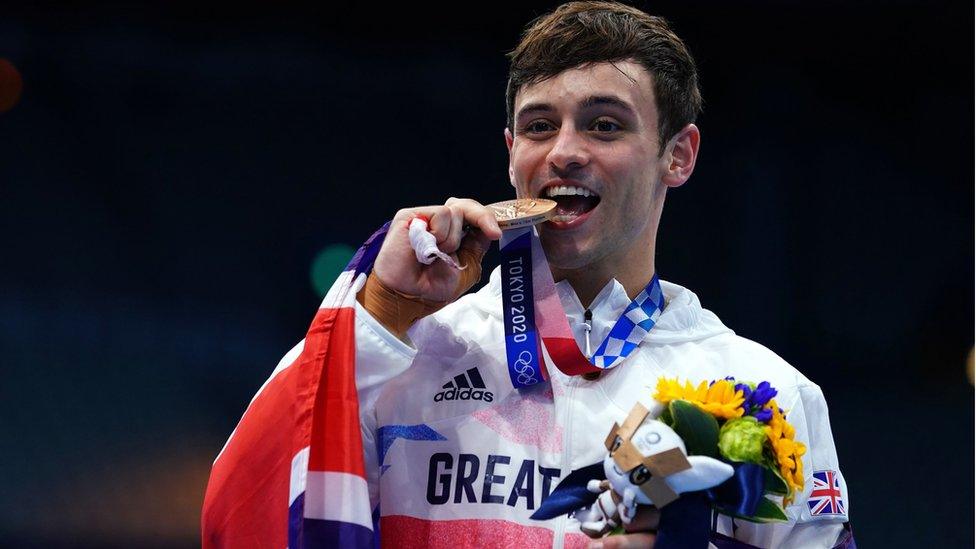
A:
{"points": [[756, 400], [763, 415], [762, 395]]}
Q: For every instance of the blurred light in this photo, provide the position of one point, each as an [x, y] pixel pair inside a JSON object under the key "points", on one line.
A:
{"points": [[328, 264], [148, 500], [11, 84], [969, 366]]}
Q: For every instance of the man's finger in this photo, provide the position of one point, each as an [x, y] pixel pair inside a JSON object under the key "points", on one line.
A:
{"points": [[440, 222], [481, 217], [489, 225], [453, 240]]}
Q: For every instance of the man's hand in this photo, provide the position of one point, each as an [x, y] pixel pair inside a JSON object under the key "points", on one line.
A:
{"points": [[397, 267], [626, 541]]}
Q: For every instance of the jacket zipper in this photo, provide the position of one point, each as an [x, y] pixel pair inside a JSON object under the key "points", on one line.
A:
{"points": [[559, 539], [560, 535], [587, 328]]}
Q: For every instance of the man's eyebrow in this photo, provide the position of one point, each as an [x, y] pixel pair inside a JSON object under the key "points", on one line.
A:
{"points": [[533, 108], [591, 101], [610, 100]]}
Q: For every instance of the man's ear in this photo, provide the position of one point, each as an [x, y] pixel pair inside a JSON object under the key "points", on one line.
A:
{"points": [[681, 154], [508, 143]]}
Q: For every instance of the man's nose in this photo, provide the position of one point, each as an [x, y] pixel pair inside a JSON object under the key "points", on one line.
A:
{"points": [[569, 151]]}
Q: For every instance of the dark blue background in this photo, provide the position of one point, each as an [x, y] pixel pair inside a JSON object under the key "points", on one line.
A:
{"points": [[172, 169]]}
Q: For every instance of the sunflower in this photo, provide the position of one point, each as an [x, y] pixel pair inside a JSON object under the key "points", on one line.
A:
{"points": [[721, 399], [787, 451]]}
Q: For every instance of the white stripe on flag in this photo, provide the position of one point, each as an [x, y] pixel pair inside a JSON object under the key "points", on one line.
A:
{"points": [[337, 496], [299, 470], [343, 290]]}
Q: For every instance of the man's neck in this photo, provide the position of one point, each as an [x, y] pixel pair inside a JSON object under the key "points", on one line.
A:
{"points": [[590, 280], [632, 266]]}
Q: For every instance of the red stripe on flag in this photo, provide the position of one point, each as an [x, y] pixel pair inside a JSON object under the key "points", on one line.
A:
{"points": [[337, 444], [246, 503]]}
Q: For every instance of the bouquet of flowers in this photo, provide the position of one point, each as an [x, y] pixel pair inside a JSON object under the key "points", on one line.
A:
{"points": [[741, 424], [718, 446]]}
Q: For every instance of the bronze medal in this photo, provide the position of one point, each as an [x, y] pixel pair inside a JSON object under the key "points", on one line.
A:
{"points": [[522, 212]]}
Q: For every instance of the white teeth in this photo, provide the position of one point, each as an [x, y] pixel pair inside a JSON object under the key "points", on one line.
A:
{"points": [[568, 190], [564, 218]]}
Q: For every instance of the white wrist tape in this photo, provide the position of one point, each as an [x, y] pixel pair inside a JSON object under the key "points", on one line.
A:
{"points": [[425, 245]]}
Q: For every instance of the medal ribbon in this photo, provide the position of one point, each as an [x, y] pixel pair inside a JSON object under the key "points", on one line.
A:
{"points": [[525, 367], [527, 284]]}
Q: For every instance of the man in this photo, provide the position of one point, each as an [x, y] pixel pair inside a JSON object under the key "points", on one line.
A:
{"points": [[602, 100]]}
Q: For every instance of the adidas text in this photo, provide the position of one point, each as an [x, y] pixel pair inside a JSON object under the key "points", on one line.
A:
{"points": [[464, 394], [465, 386]]}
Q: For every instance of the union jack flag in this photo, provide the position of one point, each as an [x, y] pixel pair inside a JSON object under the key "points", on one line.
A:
{"points": [[292, 473], [826, 497]]}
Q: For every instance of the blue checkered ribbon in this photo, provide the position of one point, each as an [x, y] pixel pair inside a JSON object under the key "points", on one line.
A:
{"points": [[630, 329]]}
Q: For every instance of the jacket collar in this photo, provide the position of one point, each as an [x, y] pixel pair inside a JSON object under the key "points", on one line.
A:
{"points": [[683, 318]]}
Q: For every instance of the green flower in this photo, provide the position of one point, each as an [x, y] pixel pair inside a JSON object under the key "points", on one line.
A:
{"points": [[742, 439]]}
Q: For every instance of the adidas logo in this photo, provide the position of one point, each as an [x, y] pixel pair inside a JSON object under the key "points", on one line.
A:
{"points": [[460, 388]]}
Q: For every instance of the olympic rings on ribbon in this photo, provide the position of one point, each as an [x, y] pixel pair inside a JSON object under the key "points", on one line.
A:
{"points": [[523, 365]]}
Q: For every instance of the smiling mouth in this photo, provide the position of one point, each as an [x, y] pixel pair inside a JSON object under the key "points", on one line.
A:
{"points": [[571, 201]]}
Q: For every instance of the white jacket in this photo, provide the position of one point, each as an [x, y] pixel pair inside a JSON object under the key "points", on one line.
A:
{"points": [[454, 466]]}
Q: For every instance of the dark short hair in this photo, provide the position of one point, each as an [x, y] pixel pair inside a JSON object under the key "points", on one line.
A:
{"points": [[581, 33]]}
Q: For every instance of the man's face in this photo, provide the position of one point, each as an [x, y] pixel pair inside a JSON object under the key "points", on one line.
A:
{"points": [[588, 138]]}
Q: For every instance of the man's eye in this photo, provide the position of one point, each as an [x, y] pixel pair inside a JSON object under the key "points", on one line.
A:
{"points": [[606, 126], [538, 126]]}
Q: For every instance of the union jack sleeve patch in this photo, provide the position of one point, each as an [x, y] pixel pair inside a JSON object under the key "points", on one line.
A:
{"points": [[827, 496]]}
